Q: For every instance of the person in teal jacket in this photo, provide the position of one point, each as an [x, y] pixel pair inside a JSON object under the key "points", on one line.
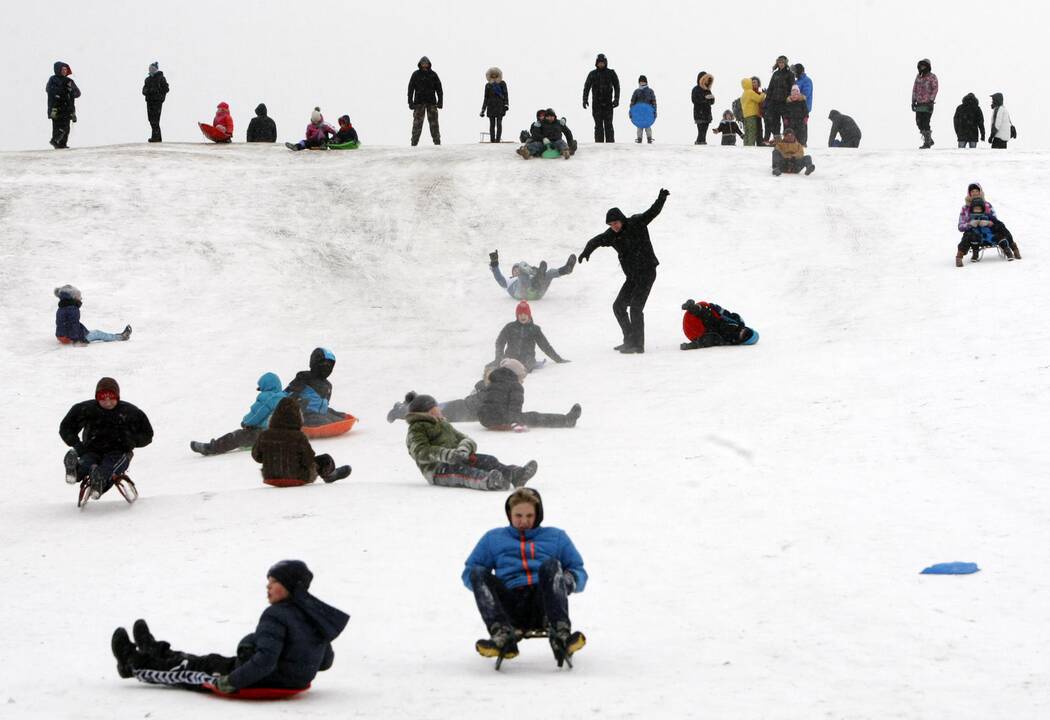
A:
{"points": [[257, 420], [521, 575]]}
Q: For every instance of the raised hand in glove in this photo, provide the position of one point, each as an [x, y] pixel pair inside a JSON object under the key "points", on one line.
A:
{"points": [[664, 192], [689, 305], [583, 257]]}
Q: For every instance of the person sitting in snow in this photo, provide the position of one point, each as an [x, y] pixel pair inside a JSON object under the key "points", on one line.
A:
{"points": [[789, 156], [103, 434], [728, 128], [318, 133], [521, 575], [503, 397], [68, 328], [257, 419], [346, 132], [223, 121], [519, 339], [528, 282], [709, 325], [285, 452], [550, 132], [291, 644], [980, 227], [460, 410], [448, 458], [313, 391], [262, 128]]}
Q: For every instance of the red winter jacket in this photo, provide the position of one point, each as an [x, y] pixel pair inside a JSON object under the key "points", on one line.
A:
{"points": [[223, 118]]}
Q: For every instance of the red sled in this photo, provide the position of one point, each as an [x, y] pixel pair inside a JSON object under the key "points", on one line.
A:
{"points": [[214, 134], [258, 693], [331, 429], [284, 482]]}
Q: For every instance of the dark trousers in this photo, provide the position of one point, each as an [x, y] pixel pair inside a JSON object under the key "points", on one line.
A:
{"points": [[153, 115], [845, 143], [772, 112], [431, 112], [463, 410], [632, 297], [922, 121], [243, 437], [1001, 236], [473, 474], [60, 132], [111, 463], [495, 128], [790, 165], [701, 132], [603, 124], [543, 603], [531, 419], [164, 666], [998, 144], [800, 128]]}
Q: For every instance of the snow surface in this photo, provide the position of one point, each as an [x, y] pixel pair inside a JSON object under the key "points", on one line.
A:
{"points": [[754, 519]]}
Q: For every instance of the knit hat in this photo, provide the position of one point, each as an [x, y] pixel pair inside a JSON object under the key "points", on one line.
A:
{"points": [[614, 214], [223, 106], [642, 79], [517, 495], [420, 403], [154, 67], [293, 574], [316, 116], [515, 366], [523, 308], [67, 292], [107, 386]]}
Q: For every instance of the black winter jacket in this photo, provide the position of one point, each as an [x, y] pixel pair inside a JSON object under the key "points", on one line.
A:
{"points": [[553, 131], [796, 112], [845, 126], [283, 449], [293, 641], [496, 100], [121, 429], [606, 86], [519, 340], [702, 101], [779, 85], [62, 93], [502, 399], [969, 120], [155, 88], [633, 246], [424, 87], [262, 128]]}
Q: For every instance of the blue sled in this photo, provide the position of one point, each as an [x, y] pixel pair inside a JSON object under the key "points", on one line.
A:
{"points": [[951, 568], [753, 339], [643, 115]]}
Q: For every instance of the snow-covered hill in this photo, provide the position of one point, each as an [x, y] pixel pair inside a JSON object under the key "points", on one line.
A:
{"points": [[753, 519]]}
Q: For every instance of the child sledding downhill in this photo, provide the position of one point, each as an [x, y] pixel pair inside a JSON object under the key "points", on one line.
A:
{"points": [[528, 282], [252, 424], [982, 229], [521, 575], [448, 458], [103, 434], [709, 325], [503, 397], [285, 453], [519, 339], [68, 328], [346, 133], [548, 133], [789, 156], [318, 133], [313, 391]]}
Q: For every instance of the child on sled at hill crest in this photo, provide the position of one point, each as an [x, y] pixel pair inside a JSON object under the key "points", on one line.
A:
{"points": [[318, 133]]}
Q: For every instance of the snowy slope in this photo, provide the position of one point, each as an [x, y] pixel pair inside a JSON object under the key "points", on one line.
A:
{"points": [[753, 519]]}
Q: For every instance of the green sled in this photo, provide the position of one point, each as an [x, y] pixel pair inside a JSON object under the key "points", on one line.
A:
{"points": [[550, 153], [352, 145]]}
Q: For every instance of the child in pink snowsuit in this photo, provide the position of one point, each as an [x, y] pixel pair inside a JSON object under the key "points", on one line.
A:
{"points": [[317, 133]]}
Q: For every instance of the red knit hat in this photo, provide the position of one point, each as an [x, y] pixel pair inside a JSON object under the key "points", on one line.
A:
{"points": [[523, 308]]}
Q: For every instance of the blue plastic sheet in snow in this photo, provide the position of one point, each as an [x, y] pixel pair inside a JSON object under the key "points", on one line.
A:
{"points": [[951, 568]]}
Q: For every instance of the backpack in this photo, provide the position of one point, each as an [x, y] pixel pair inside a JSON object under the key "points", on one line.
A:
{"points": [[738, 110]]}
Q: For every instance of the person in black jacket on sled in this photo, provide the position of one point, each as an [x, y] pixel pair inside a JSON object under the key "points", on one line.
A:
{"points": [[291, 643], [502, 400], [313, 391], [709, 325], [102, 434]]}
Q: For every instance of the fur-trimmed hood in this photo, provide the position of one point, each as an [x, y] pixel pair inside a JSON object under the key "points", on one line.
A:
{"points": [[494, 74]]}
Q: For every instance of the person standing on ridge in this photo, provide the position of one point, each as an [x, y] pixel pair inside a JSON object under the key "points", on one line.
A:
{"points": [[605, 96], [62, 93], [777, 92], [630, 237], [496, 102], [923, 96], [702, 102], [425, 97], [1001, 130]]}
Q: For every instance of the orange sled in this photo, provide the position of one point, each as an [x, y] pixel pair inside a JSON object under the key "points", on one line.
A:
{"points": [[332, 429]]}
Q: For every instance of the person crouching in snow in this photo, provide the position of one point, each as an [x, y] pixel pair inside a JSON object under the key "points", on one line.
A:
{"points": [[519, 339], [313, 391], [550, 132], [528, 282], [291, 644], [68, 328], [252, 425], [285, 452], [317, 133], [346, 132], [789, 156], [521, 575], [448, 458], [103, 434], [709, 325], [503, 397], [223, 121], [729, 128]]}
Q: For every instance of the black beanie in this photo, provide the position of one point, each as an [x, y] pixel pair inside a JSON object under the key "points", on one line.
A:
{"points": [[293, 574], [614, 214], [420, 403], [642, 79]]}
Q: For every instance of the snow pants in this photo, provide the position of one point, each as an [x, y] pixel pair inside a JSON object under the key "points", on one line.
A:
{"points": [[603, 123], [648, 134], [529, 419], [751, 130], [967, 143], [462, 410], [431, 111], [790, 165], [701, 133], [772, 112], [537, 606], [243, 437], [111, 463], [998, 144], [153, 115], [164, 666], [60, 132], [800, 128], [473, 474], [629, 307], [536, 147], [922, 121]]}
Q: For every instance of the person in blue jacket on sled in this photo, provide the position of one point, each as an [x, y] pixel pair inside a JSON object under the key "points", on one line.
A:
{"points": [[252, 425], [522, 575]]}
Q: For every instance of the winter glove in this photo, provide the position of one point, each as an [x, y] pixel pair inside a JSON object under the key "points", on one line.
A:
{"points": [[461, 455], [569, 580], [583, 257], [664, 192], [222, 684], [73, 117], [913, 106], [481, 114], [54, 113], [494, 258], [986, 223], [440, 105], [973, 223], [616, 103], [584, 104], [506, 109], [689, 305], [411, 106]]}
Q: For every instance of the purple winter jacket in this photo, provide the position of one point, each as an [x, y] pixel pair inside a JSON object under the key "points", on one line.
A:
{"points": [[319, 132], [924, 91], [964, 215]]}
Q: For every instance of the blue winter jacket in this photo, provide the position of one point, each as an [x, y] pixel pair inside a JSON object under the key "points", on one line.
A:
{"points": [[67, 322], [644, 94], [805, 86], [270, 394], [516, 556]]}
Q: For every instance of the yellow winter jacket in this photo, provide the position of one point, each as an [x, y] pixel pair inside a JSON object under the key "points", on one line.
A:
{"points": [[750, 101]]}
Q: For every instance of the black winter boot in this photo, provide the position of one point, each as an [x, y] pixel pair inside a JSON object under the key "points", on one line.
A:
{"points": [[569, 265], [123, 650], [71, 461], [339, 473], [521, 475], [573, 415]]}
